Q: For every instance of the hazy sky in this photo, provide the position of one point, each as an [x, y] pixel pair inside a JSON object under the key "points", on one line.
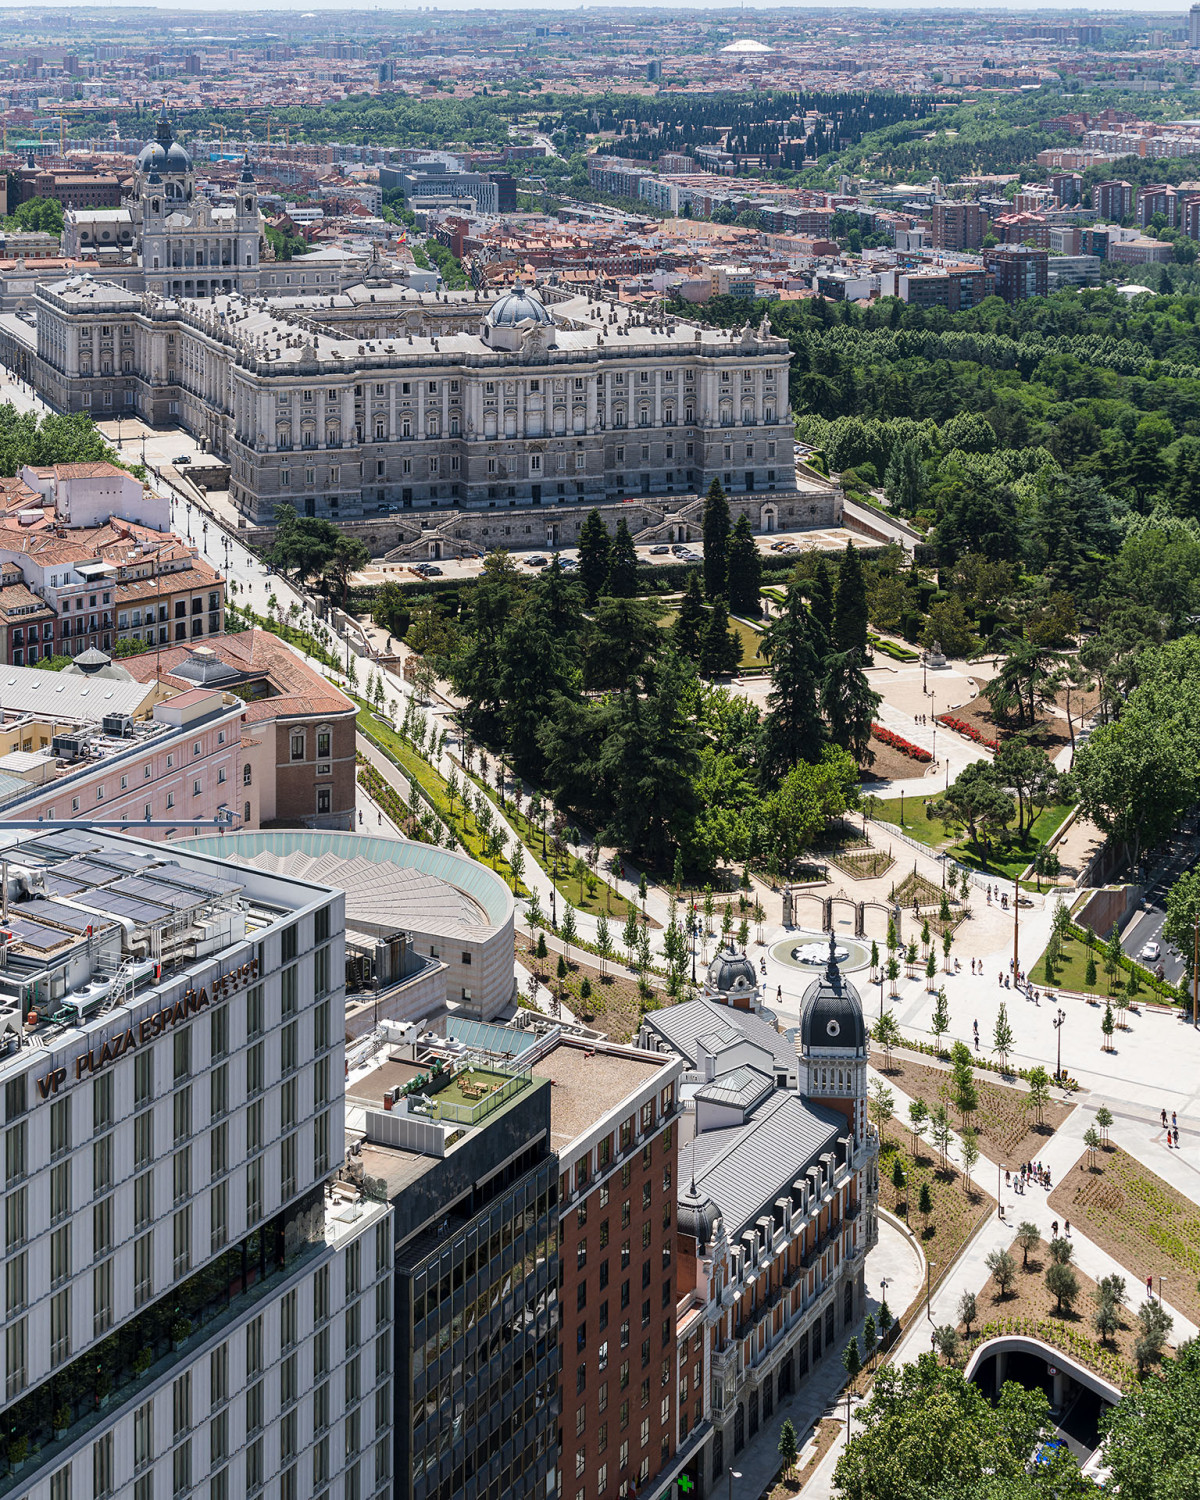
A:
{"points": [[204, 7]]}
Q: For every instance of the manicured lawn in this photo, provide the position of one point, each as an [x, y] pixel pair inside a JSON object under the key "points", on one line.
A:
{"points": [[413, 768], [596, 898], [1009, 857], [1070, 973], [931, 831], [750, 637]]}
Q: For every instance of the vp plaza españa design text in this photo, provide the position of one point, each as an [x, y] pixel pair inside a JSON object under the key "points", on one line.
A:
{"points": [[151, 1026]]}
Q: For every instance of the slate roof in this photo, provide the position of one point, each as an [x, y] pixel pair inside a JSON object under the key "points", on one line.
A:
{"points": [[683, 1026], [745, 1168]]}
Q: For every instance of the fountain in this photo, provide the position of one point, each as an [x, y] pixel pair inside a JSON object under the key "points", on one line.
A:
{"points": [[817, 954]]}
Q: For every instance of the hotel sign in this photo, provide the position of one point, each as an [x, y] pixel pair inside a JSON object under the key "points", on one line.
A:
{"points": [[190, 1003]]}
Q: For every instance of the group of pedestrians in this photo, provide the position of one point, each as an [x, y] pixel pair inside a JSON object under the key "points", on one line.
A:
{"points": [[1172, 1130]]}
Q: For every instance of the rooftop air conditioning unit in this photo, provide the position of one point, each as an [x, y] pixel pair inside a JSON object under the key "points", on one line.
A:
{"points": [[68, 746], [120, 726]]}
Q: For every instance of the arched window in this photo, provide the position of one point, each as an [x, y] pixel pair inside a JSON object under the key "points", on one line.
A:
{"points": [[246, 774], [283, 437], [689, 414], [747, 416], [579, 419], [619, 416], [726, 414], [768, 413], [668, 416], [643, 416]]}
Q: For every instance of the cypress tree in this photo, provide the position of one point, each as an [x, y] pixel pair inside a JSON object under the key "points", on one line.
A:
{"points": [[690, 621], [622, 573], [716, 540], [720, 647], [745, 570], [595, 555], [820, 593], [792, 730], [850, 605]]}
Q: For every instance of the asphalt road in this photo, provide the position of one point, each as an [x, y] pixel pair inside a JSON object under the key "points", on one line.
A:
{"points": [[1146, 926]]}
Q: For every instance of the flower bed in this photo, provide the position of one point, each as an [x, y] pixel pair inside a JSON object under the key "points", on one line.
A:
{"points": [[972, 731], [898, 742]]}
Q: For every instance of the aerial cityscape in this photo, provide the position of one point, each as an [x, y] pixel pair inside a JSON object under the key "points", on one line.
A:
{"points": [[599, 669]]}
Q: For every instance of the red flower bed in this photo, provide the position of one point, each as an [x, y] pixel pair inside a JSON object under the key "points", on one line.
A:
{"points": [[897, 742], [960, 726]]}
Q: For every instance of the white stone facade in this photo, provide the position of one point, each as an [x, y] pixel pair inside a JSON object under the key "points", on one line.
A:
{"points": [[593, 403]]}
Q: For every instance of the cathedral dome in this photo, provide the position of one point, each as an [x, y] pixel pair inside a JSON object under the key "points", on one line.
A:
{"points": [[164, 154], [831, 1014], [521, 305]]}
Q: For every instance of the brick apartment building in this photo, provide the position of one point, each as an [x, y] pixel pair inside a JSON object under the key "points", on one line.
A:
{"points": [[958, 226], [953, 287], [1021, 271], [1113, 200], [615, 1128]]}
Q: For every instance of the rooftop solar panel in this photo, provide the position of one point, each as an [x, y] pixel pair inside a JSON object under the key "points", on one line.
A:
{"points": [[145, 912], [89, 871], [60, 885], [196, 880], [61, 916], [139, 888], [34, 935]]}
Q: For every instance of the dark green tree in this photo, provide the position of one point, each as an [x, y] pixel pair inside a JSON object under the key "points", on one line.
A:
{"points": [[850, 605], [716, 541], [720, 647], [1152, 1436], [792, 729], [622, 573], [820, 594], [648, 762], [745, 570], [849, 703], [623, 635], [689, 624], [595, 555]]}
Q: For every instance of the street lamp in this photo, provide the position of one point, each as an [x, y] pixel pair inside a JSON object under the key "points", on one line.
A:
{"points": [[733, 1474], [118, 431], [1161, 1279], [879, 982], [999, 1199], [1058, 1025], [929, 1265]]}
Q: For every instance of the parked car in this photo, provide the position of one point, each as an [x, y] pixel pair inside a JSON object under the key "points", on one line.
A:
{"points": [[536, 561], [182, 458], [1151, 951], [431, 570], [660, 550], [679, 550]]}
